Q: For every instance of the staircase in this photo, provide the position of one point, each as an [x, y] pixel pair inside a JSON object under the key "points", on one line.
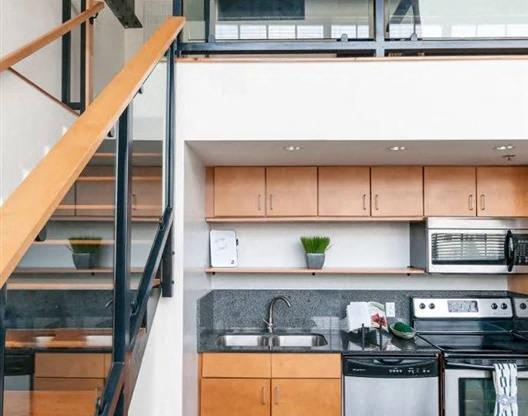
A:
{"points": [[86, 224]]}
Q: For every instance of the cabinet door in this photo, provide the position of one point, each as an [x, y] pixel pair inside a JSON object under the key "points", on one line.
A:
{"points": [[502, 191], [229, 397], [450, 191], [239, 192], [146, 197], [344, 191], [306, 397], [397, 191], [291, 191]]}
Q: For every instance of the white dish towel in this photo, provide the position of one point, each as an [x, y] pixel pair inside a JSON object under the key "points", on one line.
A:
{"points": [[505, 381]]}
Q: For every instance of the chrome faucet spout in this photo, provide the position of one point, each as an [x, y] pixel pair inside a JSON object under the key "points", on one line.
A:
{"points": [[270, 325]]}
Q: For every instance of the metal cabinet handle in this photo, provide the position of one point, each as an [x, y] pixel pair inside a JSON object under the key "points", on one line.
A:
{"points": [[276, 395], [376, 202], [134, 201], [483, 202], [263, 396], [271, 202], [260, 202], [364, 202], [470, 202]]}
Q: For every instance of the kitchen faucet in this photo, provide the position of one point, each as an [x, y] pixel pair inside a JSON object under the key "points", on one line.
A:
{"points": [[269, 322]]}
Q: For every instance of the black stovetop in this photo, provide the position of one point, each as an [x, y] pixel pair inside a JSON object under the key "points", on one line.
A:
{"points": [[473, 336]]}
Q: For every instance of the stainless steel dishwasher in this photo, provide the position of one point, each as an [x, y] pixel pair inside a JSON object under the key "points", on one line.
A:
{"points": [[396, 385]]}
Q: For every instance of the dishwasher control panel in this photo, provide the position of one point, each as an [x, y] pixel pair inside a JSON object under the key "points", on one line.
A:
{"points": [[394, 367]]}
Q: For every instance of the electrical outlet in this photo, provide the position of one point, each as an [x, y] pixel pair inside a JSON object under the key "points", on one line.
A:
{"points": [[390, 309]]}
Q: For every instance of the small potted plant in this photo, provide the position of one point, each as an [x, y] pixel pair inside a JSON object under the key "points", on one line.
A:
{"points": [[315, 249], [85, 251]]}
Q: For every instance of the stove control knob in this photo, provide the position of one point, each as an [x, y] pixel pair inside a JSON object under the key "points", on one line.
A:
{"points": [[504, 306], [422, 306], [494, 306], [431, 306], [523, 306]]}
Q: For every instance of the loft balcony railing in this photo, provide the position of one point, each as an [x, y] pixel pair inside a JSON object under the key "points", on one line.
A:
{"points": [[355, 27]]}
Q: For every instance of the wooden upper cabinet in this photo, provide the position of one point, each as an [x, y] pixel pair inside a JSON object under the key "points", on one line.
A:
{"points": [[291, 191], [397, 191], [306, 397], [229, 397], [502, 191], [239, 192], [344, 191], [450, 191]]}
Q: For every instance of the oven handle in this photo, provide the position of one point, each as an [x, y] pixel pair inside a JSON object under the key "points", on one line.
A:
{"points": [[478, 367]]}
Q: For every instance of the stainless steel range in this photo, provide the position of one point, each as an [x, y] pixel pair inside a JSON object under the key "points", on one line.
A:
{"points": [[473, 335]]}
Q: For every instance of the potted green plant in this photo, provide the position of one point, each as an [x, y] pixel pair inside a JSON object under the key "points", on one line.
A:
{"points": [[315, 249], [85, 251]]}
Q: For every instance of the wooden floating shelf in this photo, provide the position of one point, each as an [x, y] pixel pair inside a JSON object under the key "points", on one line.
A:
{"points": [[87, 242], [311, 219], [87, 218], [68, 284], [327, 271], [68, 270]]}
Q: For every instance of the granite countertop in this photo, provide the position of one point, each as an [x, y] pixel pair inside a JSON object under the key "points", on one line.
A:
{"points": [[337, 342], [74, 340]]}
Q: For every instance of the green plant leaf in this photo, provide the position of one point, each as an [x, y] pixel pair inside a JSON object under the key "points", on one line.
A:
{"points": [[316, 244]]}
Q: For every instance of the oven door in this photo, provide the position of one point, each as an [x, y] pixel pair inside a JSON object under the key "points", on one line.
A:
{"points": [[469, 389]]}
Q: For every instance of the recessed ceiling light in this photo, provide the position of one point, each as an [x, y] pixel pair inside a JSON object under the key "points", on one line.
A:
{"points": [[504, 147], [292, 148], [397, 148]]}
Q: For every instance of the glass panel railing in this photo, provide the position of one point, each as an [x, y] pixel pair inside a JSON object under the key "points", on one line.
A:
{"points": [[455, 19], [276, 20], [59, 303]]}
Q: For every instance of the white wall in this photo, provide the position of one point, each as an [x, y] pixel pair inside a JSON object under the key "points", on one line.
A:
{"points": [[30, 125], [170, 364], [22, 21], [347, 99]]}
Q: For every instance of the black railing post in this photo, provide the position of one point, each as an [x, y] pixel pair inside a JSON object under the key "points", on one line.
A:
{"points": [[166, 270], [82, 78], [122, 245], [3, 301], [66, 55]]}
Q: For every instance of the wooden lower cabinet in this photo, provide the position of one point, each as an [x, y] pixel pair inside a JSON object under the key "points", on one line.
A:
{"points": [[235, 397], [306, 397], [263, 384]]}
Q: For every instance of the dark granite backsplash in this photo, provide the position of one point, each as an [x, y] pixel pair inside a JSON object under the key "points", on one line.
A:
{"points": [[230, 309], [46, 309]]}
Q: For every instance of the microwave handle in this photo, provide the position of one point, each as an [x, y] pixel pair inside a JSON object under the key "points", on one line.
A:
{"points": [[509, 250], [478, 366]]}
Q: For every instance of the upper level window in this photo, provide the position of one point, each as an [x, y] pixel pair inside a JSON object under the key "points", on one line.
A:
{"points": [[260, 10]]}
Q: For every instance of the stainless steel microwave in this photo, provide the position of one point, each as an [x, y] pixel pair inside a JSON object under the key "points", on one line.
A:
{"points": [[470, 245]]}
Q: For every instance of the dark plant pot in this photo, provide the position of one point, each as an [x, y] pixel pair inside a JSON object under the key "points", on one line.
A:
{"points": [[85, 260], [315, 260]]}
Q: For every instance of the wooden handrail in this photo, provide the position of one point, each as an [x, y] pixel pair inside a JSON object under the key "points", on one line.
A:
{"points": [[30, 206], [30, 48]]}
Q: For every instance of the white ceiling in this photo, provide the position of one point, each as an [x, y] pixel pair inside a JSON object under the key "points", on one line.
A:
{"points": [[430, 152]]}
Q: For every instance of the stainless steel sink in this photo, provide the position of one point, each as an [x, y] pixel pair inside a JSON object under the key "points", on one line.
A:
{"points": [[271, 340], [243, 340], [299, 340]]}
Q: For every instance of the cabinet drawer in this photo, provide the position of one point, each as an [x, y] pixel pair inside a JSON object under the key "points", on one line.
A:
{"points": [[68, 384], [70, 365], [236, 365], [306, 365]]}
